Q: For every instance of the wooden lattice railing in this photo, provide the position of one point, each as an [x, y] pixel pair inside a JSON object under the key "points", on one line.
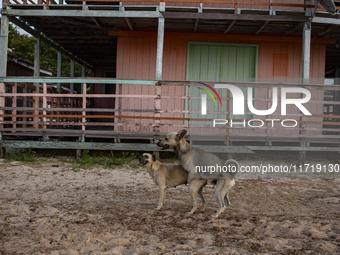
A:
{"points": [[71, 114]]}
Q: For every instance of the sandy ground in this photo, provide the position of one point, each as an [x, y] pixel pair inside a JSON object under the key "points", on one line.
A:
{"points": [[47, 208]]}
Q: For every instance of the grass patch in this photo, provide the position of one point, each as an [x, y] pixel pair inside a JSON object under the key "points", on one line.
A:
{"points": [[119, 158], [114, 158], [28, 155], [167, 157], [88, 160]]}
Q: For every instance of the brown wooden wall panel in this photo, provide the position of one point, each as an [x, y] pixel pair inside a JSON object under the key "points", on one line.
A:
{"points": [[136, 59], [277, 62]]}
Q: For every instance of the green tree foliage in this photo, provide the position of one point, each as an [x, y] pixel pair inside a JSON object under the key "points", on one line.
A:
{"points": [[23, 46]]}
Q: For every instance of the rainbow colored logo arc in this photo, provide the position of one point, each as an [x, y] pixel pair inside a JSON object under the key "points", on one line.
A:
{"points": [[209, 93]]}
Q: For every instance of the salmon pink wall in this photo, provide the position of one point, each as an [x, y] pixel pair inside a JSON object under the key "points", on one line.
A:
{"points": [[279, 60], [136, 59]]}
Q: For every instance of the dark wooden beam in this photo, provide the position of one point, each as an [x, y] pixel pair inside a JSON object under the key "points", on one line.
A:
{"points": [[229, 27], [128, 21], [262, 27], [67, 36], [196, 25], [81, 22], [326, 30], [96, 21], [292, 28], [88, 41]]}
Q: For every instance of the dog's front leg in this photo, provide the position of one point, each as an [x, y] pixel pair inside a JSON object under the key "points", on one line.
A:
{"points": [[161, 196]]}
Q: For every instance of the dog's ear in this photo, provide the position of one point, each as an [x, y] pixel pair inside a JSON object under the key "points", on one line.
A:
{"points": [[181, 134], [153, 158]]}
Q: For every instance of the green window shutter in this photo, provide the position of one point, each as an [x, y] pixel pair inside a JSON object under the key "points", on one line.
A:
{"points": [[219, 62]]}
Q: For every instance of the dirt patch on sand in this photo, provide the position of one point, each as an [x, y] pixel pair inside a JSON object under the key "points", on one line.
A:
{"points": [[55, 210]]}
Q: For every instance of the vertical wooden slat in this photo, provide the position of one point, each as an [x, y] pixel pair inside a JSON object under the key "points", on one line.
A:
{"points": [[119, 108], [2, 104], [2, 101], [44, 104], [84, 107], [36, 112], [25, 105], [158, 91], [14, 104], [59, 73], [58, 99], [82, 138]]}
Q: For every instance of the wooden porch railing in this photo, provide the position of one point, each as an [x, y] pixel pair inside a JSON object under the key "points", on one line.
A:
{"points": [[46, 114], [201, 3]]}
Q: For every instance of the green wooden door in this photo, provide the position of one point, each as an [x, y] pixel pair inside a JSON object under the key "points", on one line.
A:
{"points": [[221, 63]]}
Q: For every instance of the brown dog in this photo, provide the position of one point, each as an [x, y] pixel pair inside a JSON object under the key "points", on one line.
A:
{"points": [[166, 176], [192, 158]]}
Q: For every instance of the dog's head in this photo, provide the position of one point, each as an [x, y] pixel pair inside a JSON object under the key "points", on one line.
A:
{"points": [[171, 140], [146, 158]]}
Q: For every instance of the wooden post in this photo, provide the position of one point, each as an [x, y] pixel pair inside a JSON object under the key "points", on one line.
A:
{"points": [[3, 69], [306, 45], [3, 45], [2, 102], [302, 158], [119, 110], [36, 112], [2, 150], [82, 138], [36, 73], [159, 72], [229, 155], [160, 44], [25, 105], [59, 70], [84, 106], [70, 100], [307, 31], [157, 113], [44, 104], [59, 59], [14, 104]]}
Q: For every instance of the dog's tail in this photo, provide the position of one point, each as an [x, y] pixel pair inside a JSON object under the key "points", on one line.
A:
{"points": [[233, 170]]}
